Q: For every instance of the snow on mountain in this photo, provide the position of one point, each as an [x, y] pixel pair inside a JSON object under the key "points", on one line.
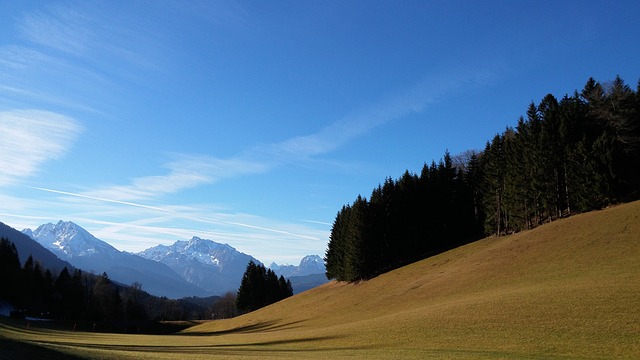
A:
{"points": [[83, 250], [210, 265], [197, 267], [68, 240], [26, 247], [308, 274], [309, 265]]}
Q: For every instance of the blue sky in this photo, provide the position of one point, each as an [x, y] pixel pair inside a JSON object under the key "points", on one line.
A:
{"points": [[252, 123]]}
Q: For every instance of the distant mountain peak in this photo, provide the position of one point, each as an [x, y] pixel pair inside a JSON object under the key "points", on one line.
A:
{"points": [[310, 264], [27, 246], [71, 242], [310, 260], [67, 239], [213, 266]]}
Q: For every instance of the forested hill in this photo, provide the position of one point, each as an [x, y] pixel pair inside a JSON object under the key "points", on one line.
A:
{"points": [[565, 156]]}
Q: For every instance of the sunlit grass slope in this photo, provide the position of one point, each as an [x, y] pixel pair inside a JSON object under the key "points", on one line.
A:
{"points": [[569, 289]]}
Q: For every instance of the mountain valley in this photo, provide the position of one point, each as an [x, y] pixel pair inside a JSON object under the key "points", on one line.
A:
{"points": [[197, 267]]}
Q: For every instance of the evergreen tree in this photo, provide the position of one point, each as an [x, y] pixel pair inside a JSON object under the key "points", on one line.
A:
{"points": [[260, 287], [356, 255], [10, 273], [570, 156], [285, 288], [334, 256], [37, 288], [272, 287], [493, 164], [107, 300], [473, 180], [552, 147]]}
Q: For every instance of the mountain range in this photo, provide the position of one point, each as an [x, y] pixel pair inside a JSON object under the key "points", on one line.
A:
{"points": [[77, 246], [307, 275], [310, 264], [210, 265], [197, 267], [26, 247]]}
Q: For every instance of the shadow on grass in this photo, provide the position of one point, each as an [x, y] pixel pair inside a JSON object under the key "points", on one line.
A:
{"points": [[146, 327], [215, 349], [42, 348], [266, 326], [11, 350]]}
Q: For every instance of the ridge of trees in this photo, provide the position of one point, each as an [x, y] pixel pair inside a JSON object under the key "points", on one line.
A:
{"points": [[569, 156], [261, 287], [79, 296]]}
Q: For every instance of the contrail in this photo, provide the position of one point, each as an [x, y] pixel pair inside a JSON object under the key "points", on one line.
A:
{"points": [[208, 219], [102, 199]]}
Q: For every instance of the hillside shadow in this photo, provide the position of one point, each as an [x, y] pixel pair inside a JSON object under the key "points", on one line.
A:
{"points": [[265, 347], [266, 326], [11, 350]]}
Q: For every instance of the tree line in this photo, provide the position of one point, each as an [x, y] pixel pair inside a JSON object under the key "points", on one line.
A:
{"points": [[79, 296], [569, 156]]}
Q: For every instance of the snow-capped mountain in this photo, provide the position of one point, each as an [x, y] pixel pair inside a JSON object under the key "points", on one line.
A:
{"points": [[210, 265], [68, 240], [309, 265], [308, 274], [81, 249], [26, 247]]}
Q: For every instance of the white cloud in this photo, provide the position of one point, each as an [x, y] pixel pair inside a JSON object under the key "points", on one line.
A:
{"points": [[132, 218], [141, 234], [353, 126], [124, 44], [184, 172], [197, 214], [191, 171], [134, 226], [62, 29], [29, 138]]}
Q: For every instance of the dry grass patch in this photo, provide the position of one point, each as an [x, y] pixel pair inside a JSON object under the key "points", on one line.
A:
{"points": [[568, 289]]}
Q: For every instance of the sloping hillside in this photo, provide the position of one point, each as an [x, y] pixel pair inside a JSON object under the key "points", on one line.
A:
{"points": [[567, 289]]}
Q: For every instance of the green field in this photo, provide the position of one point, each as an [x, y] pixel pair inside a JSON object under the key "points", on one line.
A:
{"points": [[566, 290]]}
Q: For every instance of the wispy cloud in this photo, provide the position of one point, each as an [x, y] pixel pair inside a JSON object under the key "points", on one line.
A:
{"points": [[231, 16], [31, 77], [184, 172], [192, 213], [80, 31], [28, 138], [89, 44], [20, 93], [102, 199], [189, 171], [414, 100], [350, 127], [63, 29], [132, 216], [135, 226]]}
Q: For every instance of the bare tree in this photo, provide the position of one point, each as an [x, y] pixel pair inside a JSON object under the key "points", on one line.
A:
{"points": [[225, 307]]}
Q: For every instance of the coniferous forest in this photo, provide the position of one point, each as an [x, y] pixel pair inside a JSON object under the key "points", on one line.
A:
{"points": [[565, 156], [77, 296], [260, 287]]}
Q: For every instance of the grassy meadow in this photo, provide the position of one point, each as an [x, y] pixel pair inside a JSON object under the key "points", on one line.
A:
{"points": [[566, 290]]}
